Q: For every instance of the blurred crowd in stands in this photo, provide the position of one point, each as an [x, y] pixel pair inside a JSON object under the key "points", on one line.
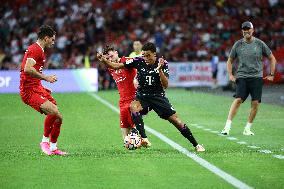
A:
{"points": [[183, 30]]}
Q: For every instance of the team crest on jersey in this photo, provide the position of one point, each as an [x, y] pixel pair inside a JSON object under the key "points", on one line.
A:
{"points": [[129, 61]]}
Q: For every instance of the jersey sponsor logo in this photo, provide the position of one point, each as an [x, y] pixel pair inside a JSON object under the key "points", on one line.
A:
{"points": [[149, 79]]}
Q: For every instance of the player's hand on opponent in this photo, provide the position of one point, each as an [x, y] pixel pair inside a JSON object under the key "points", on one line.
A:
{"points": [[51, 78], [101, 57], [232, 78], [135, 83], [269, 77]]}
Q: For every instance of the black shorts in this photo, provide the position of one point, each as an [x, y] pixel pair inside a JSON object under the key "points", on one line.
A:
{"points": [[246, 86], [159, 104]]}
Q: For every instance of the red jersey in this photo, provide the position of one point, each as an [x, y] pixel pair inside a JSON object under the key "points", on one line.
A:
{"points": [[35, 52], [124, 81]]}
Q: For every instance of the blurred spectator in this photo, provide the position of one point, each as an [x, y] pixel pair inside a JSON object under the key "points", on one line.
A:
{"points": [[137, 49], [214, 66], [2, 57], [55, 61], [186, 30]]}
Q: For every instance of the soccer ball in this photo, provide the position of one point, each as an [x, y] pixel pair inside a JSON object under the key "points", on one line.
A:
{"points": [[132, 141]]}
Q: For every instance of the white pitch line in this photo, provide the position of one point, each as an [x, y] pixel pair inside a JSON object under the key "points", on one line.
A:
{"points": [[221, 135], [225, 176], [232, 138], [278, 156], [196, 125], [215, 132], [241, 142], [207, 129], [253, 147], [265, 151]]}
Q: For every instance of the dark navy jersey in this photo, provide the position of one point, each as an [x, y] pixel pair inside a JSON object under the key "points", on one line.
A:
{"points": [[148, 76]]}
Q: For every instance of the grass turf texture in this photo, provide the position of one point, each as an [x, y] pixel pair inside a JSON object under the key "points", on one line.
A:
{"points": [[91, 134]]}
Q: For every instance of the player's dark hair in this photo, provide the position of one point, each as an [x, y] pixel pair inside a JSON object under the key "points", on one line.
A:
{"points": [[44, 31], [107, 49], [149, 47]]}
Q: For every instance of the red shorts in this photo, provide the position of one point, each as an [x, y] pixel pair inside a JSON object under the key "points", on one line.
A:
{"points": [[125, 115], [35, 97]]}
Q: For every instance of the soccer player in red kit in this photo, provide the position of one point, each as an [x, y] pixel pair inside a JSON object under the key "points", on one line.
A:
{"points": [[126, 84], [35, 95]]}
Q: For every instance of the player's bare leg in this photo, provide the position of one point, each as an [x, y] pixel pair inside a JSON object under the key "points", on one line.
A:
{"points": [[51, 109], [234, 108], [185, 131], [232, 112], [253, 112], [135, 108]]}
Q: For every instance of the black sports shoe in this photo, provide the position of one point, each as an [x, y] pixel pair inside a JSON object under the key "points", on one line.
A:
{"points": [[134, 130]]}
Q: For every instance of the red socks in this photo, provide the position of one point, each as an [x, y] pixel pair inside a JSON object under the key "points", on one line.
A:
{"points": [[55, 130], [48, 124], [52, 127]]}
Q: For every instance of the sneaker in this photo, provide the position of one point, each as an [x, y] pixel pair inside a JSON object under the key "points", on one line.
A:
{"points": [[225, 131], [145, 143], [247, 132], [59, 152], [45, 148], [199, 148]]}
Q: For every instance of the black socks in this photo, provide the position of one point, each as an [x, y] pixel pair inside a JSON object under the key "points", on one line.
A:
{"points": [[138, 121], [185, 131]]}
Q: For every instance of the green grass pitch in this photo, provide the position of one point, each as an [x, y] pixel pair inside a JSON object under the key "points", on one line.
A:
{"points": [[91, 134]]}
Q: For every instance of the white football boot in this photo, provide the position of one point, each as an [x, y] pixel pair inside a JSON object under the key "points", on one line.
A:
{"points": [[199, 148], [247, 132], [225, 131]]}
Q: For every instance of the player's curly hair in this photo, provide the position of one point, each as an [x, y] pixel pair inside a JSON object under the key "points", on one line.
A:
{"points": [[108, 48], [149, 47], [44, 31]]}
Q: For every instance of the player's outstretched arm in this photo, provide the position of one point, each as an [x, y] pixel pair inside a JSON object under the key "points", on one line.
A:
{"points": [[29, 69], [110, 64]]}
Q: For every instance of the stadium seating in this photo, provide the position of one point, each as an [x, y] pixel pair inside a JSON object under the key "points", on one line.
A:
{"points": [[183, 30]]}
